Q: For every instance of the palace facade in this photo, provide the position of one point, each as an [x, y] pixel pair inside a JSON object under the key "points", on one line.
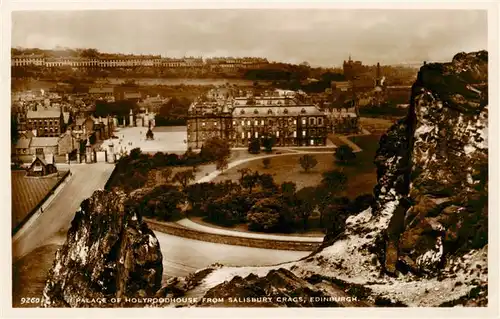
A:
{"points": [[241, 119]]}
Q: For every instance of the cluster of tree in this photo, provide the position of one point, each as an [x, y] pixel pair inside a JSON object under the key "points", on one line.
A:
{"points": [[132, 170], [174, 112], [266, 141], [265, 206], [118, 108]]}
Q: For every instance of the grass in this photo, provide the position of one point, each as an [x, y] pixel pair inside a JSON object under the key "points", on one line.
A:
{"points": [[361, 175], [27, 192]]}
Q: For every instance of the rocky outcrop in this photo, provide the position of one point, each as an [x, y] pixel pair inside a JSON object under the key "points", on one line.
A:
{"points": [[449, 159], [109, 253]]}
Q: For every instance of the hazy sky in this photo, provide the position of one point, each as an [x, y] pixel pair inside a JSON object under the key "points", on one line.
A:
{"points": [[322, 37]]}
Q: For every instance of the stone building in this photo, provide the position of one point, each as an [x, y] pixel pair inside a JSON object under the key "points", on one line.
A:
{"points": [[45, 123], [40, 167], [241, 119]]}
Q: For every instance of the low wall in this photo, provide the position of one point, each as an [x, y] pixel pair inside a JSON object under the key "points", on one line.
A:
{"points": [[230, 240], [44, 202]]}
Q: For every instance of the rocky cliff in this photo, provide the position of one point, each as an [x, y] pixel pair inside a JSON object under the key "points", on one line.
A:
{"points": [[109, 253]]}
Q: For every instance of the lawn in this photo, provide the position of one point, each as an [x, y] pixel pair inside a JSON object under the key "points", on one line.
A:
{"points": [[361, 175], [27, 192]]}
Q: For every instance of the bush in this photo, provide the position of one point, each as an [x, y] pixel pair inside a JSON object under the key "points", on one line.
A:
{"points": [[254, 146], [266, 162], [264, 215], [308, 162], [344, 155]]}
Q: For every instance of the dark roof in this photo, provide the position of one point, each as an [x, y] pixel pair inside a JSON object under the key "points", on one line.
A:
{"points": [[101, 90], [23, 143]]}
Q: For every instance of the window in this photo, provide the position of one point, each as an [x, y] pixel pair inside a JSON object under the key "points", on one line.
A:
{"points": [[261, 122], [256, 134], [303, 111], [256, 122], [294, 133], [39, 151], [242, 134], [242, 123], [202, 123], [234, 122], [249, 134], [303, 121], [312, 121], [294, 122], [269, 111], [320, 121], [285, 111], [303, 133], [255, 111], [277, 133], [215, 123], [271, 122]]}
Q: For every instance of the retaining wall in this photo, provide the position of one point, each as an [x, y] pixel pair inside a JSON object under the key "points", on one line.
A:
{"points": [[230, 240]]}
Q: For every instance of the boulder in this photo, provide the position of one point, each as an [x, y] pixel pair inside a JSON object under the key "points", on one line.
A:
{"points": [[109, 253]]}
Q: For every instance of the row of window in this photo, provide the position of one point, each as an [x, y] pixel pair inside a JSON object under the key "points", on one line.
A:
{"points": [[312, 121], [249, 134], [39, 122]]}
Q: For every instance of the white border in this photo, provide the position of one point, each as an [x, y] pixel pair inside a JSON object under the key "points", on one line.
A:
{"points": [[493, 49]]}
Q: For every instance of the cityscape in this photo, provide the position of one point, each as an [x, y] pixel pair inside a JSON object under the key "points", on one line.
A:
{"points": [[241, 179]]}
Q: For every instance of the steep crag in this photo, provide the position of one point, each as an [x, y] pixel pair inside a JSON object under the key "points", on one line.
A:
{"points": [[109, 253]]}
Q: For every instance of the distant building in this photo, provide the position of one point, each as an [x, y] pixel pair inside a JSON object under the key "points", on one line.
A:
{"points": [[45, 123], [44, 146], [352, 68], [102, 92]]}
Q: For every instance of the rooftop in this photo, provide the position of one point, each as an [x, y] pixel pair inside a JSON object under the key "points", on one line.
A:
{"points": [[43, 114], [44, 141]]}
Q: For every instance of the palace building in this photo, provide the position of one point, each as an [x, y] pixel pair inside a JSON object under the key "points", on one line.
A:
{"points": [[241, 119]]}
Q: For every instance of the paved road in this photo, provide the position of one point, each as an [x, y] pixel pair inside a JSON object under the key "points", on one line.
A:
{"points": [[213, 230], [56, 218], [182, 256]]}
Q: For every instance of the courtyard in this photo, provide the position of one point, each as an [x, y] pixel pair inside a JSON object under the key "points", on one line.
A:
{"points": [[167, 139]]}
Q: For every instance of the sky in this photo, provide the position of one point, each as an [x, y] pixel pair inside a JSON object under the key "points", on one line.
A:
{"points": [[322, 37]]}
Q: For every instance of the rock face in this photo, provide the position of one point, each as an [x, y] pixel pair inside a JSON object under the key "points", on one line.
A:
{"points": [[109, 253], [442, 174]]}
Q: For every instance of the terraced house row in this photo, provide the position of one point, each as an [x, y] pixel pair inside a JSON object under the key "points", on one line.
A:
{"points": [[135, 61], [241, 119]]}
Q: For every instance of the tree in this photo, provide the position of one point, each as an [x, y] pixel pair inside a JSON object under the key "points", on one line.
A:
{"points": [[266, 181], [14, 133], [221, 164], [166, 174], [306, 203], [249, 181], [344, 155], [264, 215], [266, 162], [308, 162], [184, 178], [335, 181], [268, 142], [215, 149], [288, 189], [135, 153], [254, 146], [243, 172]]}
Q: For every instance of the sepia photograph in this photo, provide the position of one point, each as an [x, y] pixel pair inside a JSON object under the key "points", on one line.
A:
{"points": [[249, 158]]}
